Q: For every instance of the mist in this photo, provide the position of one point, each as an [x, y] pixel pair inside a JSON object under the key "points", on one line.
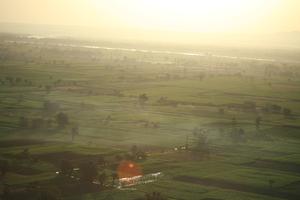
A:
{"points": [[149, 100]]}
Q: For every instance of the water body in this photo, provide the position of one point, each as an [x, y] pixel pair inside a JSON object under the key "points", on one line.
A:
{"points": [[200, 54], [168, 52]]}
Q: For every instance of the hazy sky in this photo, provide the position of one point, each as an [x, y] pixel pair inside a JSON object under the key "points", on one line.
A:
{"points": [[178, 15]]}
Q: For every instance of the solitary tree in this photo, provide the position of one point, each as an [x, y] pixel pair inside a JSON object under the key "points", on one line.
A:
{"points": [[62, 119], [202, 145], [74, 132], [287, 112], [271, 183], [238, 135], [48, 88], [23, 122], [143, 98], [233, 122], [258, 122], [221, 111]]}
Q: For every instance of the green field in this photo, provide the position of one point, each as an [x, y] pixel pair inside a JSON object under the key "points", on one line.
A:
{"points": [[235, 122]]}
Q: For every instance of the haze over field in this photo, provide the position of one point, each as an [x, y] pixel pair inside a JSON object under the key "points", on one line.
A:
{"points": [[149, 99], [238, 22]]}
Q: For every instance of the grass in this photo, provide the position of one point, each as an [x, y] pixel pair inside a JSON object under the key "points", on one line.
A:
{"points": [[110, 87]]}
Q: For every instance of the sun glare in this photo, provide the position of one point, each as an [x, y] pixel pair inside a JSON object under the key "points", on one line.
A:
{"points": [[194, 15]]}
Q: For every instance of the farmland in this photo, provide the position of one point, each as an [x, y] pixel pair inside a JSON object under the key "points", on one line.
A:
{"points": [[222, 124]]}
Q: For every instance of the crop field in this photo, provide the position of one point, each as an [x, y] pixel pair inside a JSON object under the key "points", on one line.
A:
{"points": [[218, 127]]}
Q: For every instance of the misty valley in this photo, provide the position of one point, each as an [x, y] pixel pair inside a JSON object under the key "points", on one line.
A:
{"points": [[83, 119]]}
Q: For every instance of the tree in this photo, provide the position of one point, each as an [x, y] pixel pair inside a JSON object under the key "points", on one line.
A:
{"points": [[20, 98], [114, 177], [6, 194], [196, 131], [201, 76], [249, 106], [4, 167], [287, 112], [88, 172], [107, 119], [143, 98], [271, 183], [50, 106], [25, 154], [162, 100], [257, 122], [238, 135], [74, 132], [155, 124], [62, 119], [134, 150], [202, 140], [47, 195], [66, 168], [221, 111], [49, 123], [37, 123], [118, 158], [101, 161], [141, 155], [23, 122], [201, 145], [154, 196], [102, 178], [233, 121], [18, 80], [10, 79], [48, 88], [274, 108]]}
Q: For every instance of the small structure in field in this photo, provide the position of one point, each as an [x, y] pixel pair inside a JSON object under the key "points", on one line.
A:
{"points": [[138, 180]]}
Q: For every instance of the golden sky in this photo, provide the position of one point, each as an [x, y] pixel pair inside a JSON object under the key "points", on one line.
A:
{"points": [[219, 16]]}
